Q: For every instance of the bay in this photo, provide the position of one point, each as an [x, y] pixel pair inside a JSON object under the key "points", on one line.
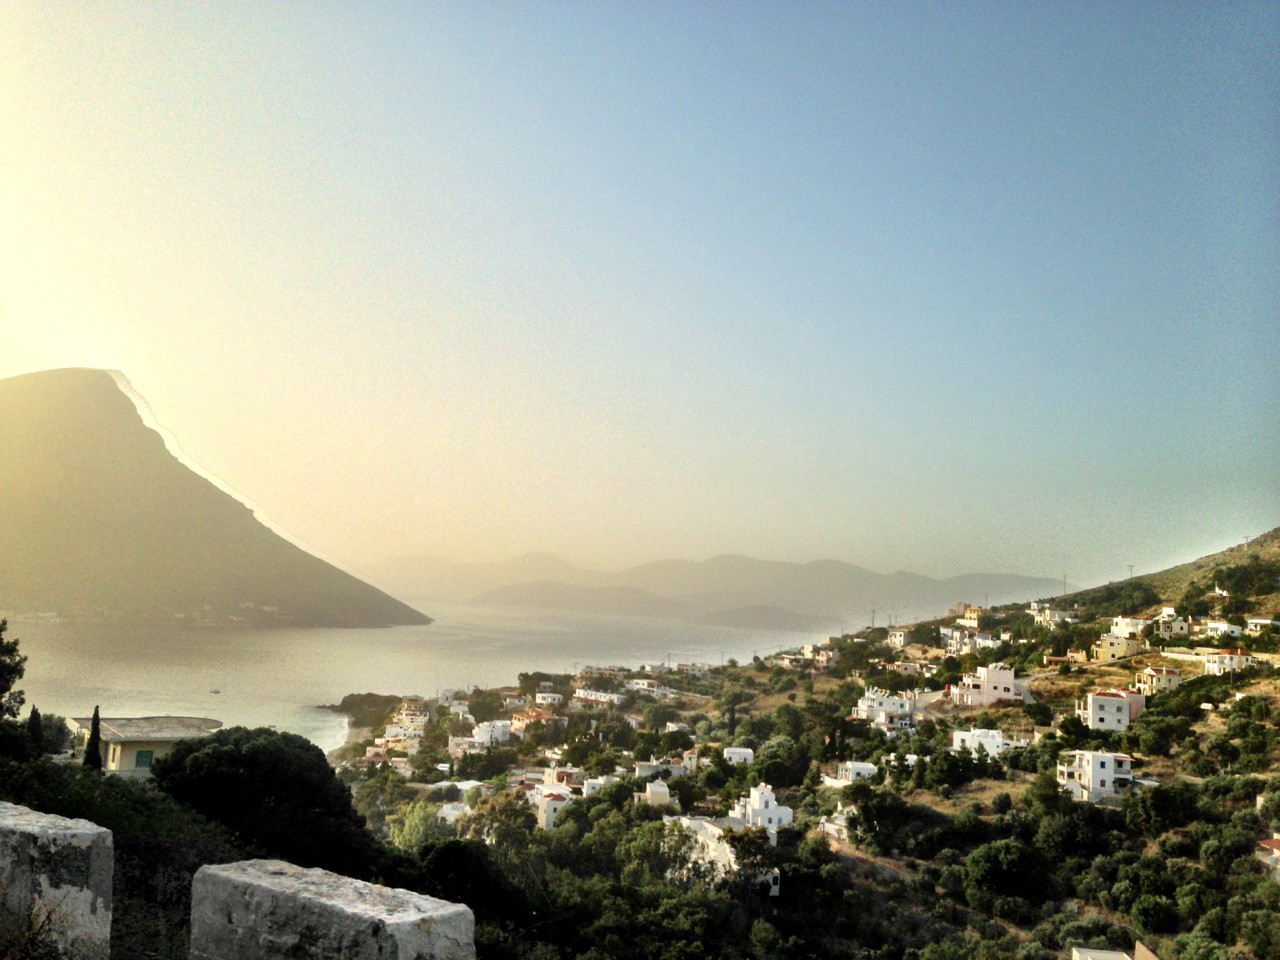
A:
{"points": [[279, 677]]}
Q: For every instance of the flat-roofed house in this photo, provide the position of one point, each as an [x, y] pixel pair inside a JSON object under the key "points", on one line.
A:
{"points": [[131, 744]]}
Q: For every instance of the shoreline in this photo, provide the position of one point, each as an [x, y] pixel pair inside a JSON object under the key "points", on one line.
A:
{"points": [[351, 735]]}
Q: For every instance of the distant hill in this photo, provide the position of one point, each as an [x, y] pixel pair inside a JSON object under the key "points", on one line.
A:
{"points": [[726, 590], [99, 521], [1249, 571]]}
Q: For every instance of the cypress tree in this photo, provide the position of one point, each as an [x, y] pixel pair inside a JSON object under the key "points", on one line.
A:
{"points": [[93, 749], [35, 732]]}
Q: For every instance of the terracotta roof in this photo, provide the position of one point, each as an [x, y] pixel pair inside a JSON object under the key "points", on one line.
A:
{"points": [[1270, 844]]}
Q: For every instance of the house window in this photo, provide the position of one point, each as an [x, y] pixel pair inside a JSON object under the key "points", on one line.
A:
{"points": [[1102, 764], [143, 758], [1102, 784]]}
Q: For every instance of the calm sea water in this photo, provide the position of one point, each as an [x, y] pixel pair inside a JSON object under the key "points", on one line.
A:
{"points": [[279, 677]]}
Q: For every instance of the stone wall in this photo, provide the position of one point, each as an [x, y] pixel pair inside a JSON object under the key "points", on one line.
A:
{"points": [[58, 871], [272, 910]]}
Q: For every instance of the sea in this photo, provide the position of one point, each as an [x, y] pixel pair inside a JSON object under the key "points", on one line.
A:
{"points": [[281, 677]]}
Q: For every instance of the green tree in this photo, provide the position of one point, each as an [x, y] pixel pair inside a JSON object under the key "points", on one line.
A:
{"points": [[93, 749], [35, 732], [277, 791], [12, 667]]}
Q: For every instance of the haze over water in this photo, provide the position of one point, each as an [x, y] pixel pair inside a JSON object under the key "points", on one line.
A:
{"points": [[279, 677]]}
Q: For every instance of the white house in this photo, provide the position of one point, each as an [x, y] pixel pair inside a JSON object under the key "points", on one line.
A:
{"points": [[655, 794], [129, 745], [548, 698], [712, 848], [1128, 626], [593, 784], [987, 685], [1169, 625], [992, 742], [887, 711], [643, 685], [598, 697], [491, 732], [1091, 775], [1220, 628], [760, 808], [1045, 615], [849, 771], [737, 755], [450, 812], [1155, 680], [960, 642], [1227, 661], [898, 637], [1110, 709], [1255, 625]]}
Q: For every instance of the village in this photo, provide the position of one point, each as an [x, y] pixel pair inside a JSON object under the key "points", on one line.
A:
{"points": [[858, 742]]}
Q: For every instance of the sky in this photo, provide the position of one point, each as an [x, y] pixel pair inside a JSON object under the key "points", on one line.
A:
{"points": [[937, 287]]}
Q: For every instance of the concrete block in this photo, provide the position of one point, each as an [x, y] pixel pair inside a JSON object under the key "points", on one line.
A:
{"points": [[60, 869], [271, 910]]}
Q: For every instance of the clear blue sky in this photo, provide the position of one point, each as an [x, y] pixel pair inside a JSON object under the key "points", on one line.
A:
{"points": [[936, 287]]}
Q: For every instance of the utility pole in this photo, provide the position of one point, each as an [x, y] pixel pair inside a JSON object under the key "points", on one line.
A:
{"points": [[1131, 571], [873, 618]]}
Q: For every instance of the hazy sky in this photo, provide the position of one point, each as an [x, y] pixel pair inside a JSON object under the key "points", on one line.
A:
{"points": [[942, 287]]}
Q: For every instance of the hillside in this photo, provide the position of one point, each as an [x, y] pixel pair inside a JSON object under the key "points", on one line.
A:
{"points": [[1249, 571], [100, 521]]}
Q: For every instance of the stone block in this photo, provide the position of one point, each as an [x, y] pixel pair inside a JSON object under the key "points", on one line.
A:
{"points": [[57, 870], [271, 910]]}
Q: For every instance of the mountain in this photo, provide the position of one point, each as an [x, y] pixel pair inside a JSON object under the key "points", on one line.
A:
{"points": [[99, 520], [728, 590]]}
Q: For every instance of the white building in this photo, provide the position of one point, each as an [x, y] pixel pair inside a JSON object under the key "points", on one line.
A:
{"points": [[760, 808], [1227, 661], [548, 698], [655, 794], [1091, 775], [849, 771], [1045, 615], [1169, 625], [1110, 709], [643, 685], [991, 742], [889, 712], [987, 685], [593, 784], [712, 848], [737, 755], [450, 812], [1155, 680], [491, 732], [899, 637], [598, 697], [1128, 626], [1255, 625], [1220, 628]]}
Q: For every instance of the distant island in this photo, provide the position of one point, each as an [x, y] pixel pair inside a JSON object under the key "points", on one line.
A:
{"points": [[100, 521], [726, 590]]}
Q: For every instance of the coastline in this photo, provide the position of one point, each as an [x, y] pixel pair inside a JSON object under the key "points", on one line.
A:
{"points": [[350, 736]]}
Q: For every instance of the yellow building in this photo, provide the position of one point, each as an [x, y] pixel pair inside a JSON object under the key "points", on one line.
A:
{"points": [[131, 744]]}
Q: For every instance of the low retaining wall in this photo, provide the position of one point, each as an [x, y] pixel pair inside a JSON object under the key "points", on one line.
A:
{"points": [[272, 910], [57, 870]]}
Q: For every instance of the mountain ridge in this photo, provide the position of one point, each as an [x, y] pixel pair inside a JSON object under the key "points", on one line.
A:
{"points": [[101, 521]]}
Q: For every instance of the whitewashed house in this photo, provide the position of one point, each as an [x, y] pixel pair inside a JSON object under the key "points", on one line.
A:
{"points": [[985, 686], [991, 742], [1255, 625], [1169, 625], [549, 807], [1110, 709], [656, 794], [889, 712], [1090, 775], [849, 771], [1220, 628], [593, 784], [711, 847], [1227, 661], [1128, 626], [548, 698], [760, 808], [599, 698], [492, 732], [737, 755]]}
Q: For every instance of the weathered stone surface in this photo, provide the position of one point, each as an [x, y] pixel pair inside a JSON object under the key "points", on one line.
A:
{"points": [[60, 869], [270, 910]]}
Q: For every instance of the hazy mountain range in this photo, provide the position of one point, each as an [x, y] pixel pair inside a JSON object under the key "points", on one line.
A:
{"points": [[725, 590], [99, 520]]}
